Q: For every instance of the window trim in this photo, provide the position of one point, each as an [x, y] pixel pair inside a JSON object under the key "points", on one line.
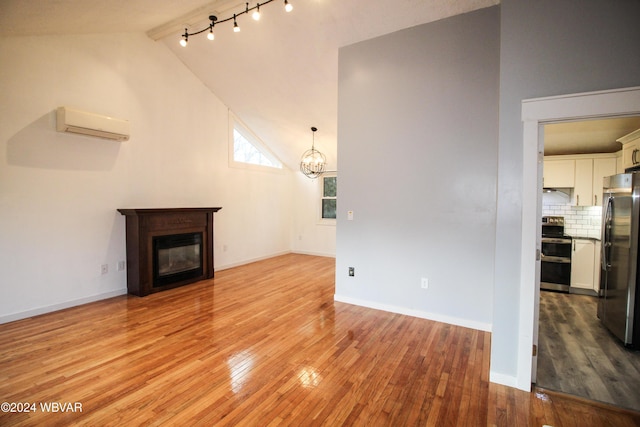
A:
{"points": [[235, 122], [321, 220]]}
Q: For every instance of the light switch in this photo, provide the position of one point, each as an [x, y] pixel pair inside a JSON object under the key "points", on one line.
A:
{"points": [[350, 215]]}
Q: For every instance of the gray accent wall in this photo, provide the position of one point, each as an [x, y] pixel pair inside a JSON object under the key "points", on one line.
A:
{"points": [[548, 47], [435, 192], [418, 150]]}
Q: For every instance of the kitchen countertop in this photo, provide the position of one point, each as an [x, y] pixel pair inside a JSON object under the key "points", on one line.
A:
{"points": [[582, 237]]}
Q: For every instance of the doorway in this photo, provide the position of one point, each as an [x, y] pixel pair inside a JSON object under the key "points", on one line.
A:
{"points": [[535, 113]]}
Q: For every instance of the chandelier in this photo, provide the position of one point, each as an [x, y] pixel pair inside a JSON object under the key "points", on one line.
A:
{"points": [[236, 28], [313, 161]]}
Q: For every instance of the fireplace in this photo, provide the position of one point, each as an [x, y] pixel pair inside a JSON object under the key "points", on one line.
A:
{"points": [[176, 257], [167, 248]]}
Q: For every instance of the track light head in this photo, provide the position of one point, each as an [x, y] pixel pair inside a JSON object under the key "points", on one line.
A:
{"points": [[185, 38], [236, 29], [213, 20]]}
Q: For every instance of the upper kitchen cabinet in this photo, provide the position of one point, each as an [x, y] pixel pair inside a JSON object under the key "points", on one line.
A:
{"points": [[602, 167], [630, 149], [589, 176], [558, 173], [583, 173], [583, 190]]}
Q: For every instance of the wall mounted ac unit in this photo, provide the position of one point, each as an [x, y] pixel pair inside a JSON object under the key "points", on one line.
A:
{"points": [[84, 123]]}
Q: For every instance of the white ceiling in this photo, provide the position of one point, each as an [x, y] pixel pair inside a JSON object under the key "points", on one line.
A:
{"points": [[44, 17], [591, 136], [279, 75]]}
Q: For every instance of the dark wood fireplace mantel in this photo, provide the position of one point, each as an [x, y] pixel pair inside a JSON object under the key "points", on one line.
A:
{"points": [[143, 225]]}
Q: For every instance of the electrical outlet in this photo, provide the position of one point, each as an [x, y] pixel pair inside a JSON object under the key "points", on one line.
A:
{"points": [[352, 271], [424, 283], [104, 269], [121, 265]]}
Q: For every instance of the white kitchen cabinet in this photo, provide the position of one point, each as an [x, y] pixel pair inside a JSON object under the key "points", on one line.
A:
{"points": [[619, 165], [596, 266], [559, 173], [630, 156], [588, 173], [583, 189], [630, 149], [582, 259], [601, 167]]}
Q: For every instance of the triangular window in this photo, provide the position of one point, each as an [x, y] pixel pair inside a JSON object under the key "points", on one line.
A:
{"points": [[248, 149]]}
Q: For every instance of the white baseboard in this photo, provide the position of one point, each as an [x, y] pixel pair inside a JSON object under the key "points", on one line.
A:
{"points": [[61, 306], [481, 326], [248, 261], [262, 258], [328, 255]]}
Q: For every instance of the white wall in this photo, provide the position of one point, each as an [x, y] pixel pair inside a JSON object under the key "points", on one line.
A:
{"points": [[59, 192], [310, 235], [417, 143]]}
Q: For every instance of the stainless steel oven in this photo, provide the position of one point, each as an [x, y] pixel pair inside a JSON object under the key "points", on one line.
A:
{"points": [[555, 267]]}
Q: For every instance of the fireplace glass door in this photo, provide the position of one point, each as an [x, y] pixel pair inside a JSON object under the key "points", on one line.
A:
{"points": [[176, 257]]}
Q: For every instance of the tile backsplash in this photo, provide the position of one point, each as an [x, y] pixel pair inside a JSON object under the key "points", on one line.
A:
{"points": [[579, 221]]}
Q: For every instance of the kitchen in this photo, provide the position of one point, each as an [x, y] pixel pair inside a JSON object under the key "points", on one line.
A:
{"points": [[577, 353]]}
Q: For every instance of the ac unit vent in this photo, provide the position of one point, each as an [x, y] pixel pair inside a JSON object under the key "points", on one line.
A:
{"points": [[91, 124]]}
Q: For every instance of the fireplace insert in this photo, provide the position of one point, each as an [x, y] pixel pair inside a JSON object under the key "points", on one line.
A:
{"points": [[177, 257]]}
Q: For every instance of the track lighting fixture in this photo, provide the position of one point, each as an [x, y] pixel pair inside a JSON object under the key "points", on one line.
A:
{"points": [[236, 28]]}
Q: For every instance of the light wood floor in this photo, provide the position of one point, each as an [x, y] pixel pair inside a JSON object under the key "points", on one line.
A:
{"points": [[579, 356], [264, 345]]}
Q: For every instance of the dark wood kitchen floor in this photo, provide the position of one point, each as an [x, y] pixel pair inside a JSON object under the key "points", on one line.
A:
{"points": [[577, 355]]}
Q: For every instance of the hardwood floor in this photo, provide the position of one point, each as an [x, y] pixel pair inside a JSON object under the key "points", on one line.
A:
{"points": [[263, 345], [579, 356]]}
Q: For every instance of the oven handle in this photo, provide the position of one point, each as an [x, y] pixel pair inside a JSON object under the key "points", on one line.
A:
{"points": [[555, 240], [556, 259]]}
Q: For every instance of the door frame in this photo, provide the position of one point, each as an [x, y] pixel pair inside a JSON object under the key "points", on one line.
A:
{"points": [[535, 114]]}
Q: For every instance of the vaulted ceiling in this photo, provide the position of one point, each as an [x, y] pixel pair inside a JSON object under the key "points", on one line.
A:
{"points": [[279, 75]]}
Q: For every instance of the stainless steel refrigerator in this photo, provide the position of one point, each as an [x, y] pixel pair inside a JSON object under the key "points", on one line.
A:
{"points": [[618, 305]]}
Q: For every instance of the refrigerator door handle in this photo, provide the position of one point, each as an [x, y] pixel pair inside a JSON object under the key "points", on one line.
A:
{"points": [[606, 234]]}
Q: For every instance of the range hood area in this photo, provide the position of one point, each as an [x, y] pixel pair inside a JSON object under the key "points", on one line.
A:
{"points": [[566, 191]]}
